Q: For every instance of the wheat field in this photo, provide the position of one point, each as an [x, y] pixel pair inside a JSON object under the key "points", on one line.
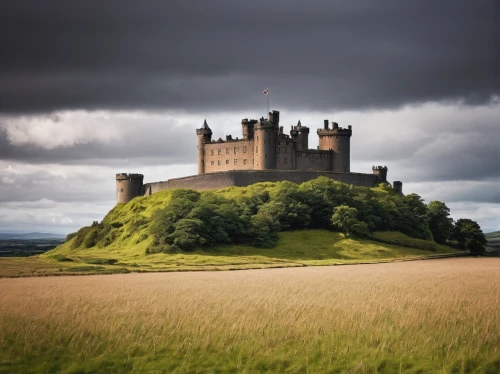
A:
{"points": [[420, 316]]}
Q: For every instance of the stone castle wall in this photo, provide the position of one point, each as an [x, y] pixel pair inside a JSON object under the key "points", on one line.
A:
{"points": [[229, 155], [244, 178]]}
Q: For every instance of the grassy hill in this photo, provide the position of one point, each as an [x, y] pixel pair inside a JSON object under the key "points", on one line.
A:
{"points": [[493, 246], [123, 242]]}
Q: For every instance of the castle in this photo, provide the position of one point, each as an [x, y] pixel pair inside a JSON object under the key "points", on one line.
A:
{"points": [[264, 154]]}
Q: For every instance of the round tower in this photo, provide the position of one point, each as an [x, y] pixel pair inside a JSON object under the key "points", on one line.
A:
{"points": [[265, 133], [398, 187], [338, 140], [381, 173], [204, 136], [128, 186]]}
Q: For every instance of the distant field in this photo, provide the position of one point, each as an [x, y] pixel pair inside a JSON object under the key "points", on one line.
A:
{"points": [[27, 247], [295, 248], [413, 317]]}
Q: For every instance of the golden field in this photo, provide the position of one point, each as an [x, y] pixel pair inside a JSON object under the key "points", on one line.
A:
{"points": [[420, 316]]}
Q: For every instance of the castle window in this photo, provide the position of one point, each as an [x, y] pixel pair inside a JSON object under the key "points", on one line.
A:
{"points": [[257, 137], [219, 152], [245, 149], [227, 162], [286, 149], [244, 161], [212, 152], [218, 162], [285, 161], [235, 150], [236, 161], [256, 149], [279, 150], [121, 189], [227, 151], [211, 163], [312, 163], [203, 152], [253, 161]]}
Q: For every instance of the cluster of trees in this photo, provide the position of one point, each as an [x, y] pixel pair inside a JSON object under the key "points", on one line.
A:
{"points": [[255, 214], [464, 233]]}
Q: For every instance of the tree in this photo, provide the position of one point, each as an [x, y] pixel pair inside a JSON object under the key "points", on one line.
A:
{"points": [[414, 220], [186, 236], [469, 236], [440, 222], [345, 218]]}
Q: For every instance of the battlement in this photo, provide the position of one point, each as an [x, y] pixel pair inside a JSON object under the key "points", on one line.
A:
{"points": [[380, 172], [126, 176], [264, 124], [229, 139], [335, 132]]}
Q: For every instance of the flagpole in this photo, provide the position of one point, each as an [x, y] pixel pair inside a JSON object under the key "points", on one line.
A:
{"points": [[267, 104]]}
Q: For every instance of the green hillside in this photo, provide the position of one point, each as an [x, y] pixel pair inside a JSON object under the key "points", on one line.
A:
{"points": [[264, 225], [493, 246]]}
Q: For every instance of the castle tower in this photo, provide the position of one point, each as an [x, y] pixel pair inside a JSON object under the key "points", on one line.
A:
{"points": [[301, 135], [398, 187], [128, 186], [338, 140], [265, 136], [381, 173], [247, 128], [204, 136]]}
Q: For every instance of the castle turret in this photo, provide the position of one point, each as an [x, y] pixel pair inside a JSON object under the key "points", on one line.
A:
{"points": [[128, 186], [247, 128], [301, 136], [381, 173], [265, 136], [204, 136], [337, 139], [398, 187]]}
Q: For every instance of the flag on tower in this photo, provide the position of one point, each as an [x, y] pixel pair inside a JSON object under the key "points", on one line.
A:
{"points": [[266, 91]]}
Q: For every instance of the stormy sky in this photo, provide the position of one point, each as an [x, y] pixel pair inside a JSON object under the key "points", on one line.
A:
{"points": [[87, 86]]}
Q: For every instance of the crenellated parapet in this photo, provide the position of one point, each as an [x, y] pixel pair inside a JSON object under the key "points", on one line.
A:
{"points": [[381, 173]]}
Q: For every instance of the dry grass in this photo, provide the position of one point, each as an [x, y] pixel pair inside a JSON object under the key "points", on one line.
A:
{"points": [[422, 316]]}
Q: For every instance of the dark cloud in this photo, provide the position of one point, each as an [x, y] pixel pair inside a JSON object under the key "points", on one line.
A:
{"points": [[214, 55]]}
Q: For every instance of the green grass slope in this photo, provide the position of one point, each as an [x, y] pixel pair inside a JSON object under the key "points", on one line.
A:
{"points": [[295, 248]]}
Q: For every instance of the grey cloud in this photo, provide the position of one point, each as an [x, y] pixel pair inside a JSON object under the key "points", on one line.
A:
{"points": [[39, 185], [431, 143], [145, 142], [221, 54], [458, 192]]}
